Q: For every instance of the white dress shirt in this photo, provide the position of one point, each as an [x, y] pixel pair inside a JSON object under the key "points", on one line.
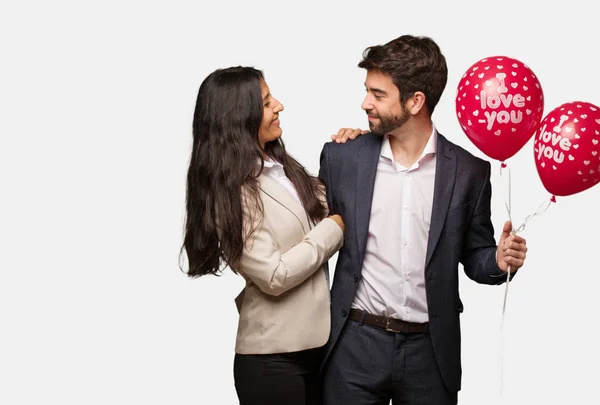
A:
{"points": [[274, 170], [393, 273]]}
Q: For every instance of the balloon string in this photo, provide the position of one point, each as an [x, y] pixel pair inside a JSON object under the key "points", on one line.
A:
{"points": [[508, 204], [540, 210], [507, 201]]}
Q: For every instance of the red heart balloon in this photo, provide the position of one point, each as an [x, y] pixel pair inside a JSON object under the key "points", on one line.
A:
{"points": [[499, 105], [567, 148]]}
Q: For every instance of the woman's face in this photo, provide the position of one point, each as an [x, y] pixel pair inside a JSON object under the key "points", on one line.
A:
{"points": [[269, 127]]}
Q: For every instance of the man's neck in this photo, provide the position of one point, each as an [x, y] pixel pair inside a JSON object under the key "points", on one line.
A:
{"points": [[407, 143]]}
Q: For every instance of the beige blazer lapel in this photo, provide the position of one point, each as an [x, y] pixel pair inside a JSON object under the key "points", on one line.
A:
{"points": [[280, 195]]}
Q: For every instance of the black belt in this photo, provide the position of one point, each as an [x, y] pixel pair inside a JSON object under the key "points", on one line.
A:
{"points": [[387, 323]]}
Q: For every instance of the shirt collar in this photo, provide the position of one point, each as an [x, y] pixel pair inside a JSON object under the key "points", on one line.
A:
{"points": [[270, 163], [430, 147]]}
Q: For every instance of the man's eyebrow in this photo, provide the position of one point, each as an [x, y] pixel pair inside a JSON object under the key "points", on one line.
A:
{"points": [[376, 90], [266, 96]]}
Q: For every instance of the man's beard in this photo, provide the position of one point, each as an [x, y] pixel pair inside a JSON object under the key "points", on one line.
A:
{"points": [[388, 123]]}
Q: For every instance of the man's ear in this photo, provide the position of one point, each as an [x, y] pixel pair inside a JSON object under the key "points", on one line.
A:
{"points": [[416, 103]]}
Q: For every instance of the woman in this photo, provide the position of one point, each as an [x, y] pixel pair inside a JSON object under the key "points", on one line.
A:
{"points": [[254, 208]]}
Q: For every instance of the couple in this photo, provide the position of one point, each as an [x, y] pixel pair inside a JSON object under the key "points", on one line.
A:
{"points": [[402, 205]]}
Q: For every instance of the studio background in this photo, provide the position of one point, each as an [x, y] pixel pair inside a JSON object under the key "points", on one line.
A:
{"points": [[96, 102]]}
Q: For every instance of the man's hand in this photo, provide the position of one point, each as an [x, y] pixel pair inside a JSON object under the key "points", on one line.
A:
{"points": [[347, 133], [512, 249]]}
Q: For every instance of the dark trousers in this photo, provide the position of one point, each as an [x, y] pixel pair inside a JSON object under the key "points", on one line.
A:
{"points": [[370, 366], [278, 379]]}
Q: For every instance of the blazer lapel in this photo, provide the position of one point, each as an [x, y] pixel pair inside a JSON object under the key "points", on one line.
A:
{"points": [[445, 176], [366, 166], [275, 191]]}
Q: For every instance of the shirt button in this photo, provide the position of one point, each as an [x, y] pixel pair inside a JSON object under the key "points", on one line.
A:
{"points": [[405, 243], [405, 207], [344, 313]]}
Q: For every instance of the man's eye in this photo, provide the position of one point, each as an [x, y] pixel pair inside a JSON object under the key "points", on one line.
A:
{"points": [[267, 104]]}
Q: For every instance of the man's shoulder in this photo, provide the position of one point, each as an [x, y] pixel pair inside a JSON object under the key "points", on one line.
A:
{"points": [[463, 154], [351, 145]]}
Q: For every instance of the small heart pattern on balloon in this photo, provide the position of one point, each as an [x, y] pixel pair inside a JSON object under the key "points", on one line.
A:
{"points": [[567, 148], [499, 105]]}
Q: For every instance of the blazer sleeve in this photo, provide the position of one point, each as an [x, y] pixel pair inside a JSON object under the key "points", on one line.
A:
{"points": [[274, 271], [324, 176], [479, 255]]}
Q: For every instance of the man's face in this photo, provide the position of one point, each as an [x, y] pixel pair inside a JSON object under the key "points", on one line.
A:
{"points": [[382, 104]]}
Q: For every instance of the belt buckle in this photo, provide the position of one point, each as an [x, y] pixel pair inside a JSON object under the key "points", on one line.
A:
{"points": [[388, 328]]}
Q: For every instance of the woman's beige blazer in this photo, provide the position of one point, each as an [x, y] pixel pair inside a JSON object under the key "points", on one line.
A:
{"points": [[285, 304]]}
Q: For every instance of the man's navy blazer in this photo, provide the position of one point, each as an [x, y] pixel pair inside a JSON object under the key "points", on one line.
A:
{"points": [[461, 231]]}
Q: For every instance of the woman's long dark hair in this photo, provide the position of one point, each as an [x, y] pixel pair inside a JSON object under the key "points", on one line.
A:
{"points": [[225, 163]]}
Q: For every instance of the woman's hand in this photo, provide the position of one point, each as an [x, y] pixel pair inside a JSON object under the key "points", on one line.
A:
{"points": [[338, 220], [344, 134]]}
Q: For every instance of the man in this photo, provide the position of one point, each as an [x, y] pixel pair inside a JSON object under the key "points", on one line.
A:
{"points": [[415, 206]]}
